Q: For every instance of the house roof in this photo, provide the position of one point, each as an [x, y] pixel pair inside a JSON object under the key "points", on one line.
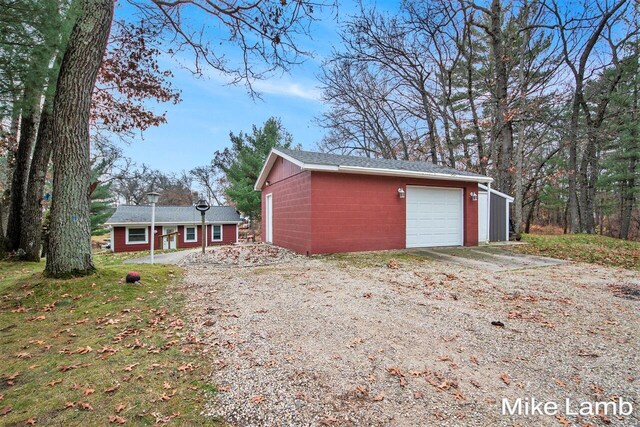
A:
{"points": [[309, 160], [128, 214], [496, 192]]}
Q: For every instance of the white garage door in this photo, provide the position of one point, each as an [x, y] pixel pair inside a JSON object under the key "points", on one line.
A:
{"points": [[434, 217]]}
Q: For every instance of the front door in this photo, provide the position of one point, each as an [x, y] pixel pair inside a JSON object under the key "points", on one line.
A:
{"points": [[170, 239], [269, 219]]}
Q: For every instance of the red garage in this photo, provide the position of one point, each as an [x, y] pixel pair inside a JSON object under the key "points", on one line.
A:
{"points": [[322, 203]]}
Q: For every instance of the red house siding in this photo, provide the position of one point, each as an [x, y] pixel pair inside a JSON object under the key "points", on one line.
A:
{"points": [[325, 212], [120, 239], [352, 212], [291, 192]]}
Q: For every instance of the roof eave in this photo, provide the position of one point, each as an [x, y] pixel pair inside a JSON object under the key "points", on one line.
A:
{"points": [[127, 224], [509, 198], [359, 170], [410, 174]]}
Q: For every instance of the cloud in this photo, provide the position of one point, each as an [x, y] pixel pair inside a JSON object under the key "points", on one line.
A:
{"points": [[287, 88]]}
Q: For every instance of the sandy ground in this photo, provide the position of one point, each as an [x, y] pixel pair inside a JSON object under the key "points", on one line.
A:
{"points": [[362, 340]]}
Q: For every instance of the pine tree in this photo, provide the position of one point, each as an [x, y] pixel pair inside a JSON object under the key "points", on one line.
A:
{"points": [[243, 162]]}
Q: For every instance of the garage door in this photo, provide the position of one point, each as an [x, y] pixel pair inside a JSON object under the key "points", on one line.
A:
{"points": [[434, 217]]}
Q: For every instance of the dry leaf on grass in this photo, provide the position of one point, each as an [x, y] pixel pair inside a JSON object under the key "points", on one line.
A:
{"points": [[5, 410], [88, 391], [120, 407], [116, 419]]}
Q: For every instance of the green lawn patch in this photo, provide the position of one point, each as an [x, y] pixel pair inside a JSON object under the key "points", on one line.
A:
{"points": [[584, 248], [95, 350]]}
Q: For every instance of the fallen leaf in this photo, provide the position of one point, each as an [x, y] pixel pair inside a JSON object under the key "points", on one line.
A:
{"points": [[378, 398], [116, 419], [5, 410], [120, 407], [257, 399], [86, 406], [562, 420], [505, 379], [112, 389], [88, 391], [31, 421], [68, 405], [54, 382], [130, 367]]}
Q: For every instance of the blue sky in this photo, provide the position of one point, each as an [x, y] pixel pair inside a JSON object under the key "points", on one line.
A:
{"points": [[210, 109]]}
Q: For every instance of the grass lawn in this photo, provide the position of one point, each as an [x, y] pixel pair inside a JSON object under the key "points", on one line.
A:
{"points": [[584, 248], [95, 350]]}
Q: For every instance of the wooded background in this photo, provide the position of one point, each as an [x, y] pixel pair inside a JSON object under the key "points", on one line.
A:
{"points": [[542, 95]]}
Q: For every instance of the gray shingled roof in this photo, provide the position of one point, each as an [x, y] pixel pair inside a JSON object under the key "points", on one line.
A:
{"points": [[311, 157], [127, 214]]}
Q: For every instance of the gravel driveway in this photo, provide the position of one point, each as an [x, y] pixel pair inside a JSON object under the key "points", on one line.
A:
{"points": [[393, 339]]}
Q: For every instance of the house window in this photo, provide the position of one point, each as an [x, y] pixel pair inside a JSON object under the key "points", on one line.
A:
{"points": [[190, 234], [217, 233], [137, 235]]}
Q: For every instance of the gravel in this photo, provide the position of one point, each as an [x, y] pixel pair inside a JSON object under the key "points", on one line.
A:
{"points": [[365, 340]]}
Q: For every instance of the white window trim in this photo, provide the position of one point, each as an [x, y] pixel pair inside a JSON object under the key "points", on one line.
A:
{"points": [[146, 236], [221, 233], [195, 227]]}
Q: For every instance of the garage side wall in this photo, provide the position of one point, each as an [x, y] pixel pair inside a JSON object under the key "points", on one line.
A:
{"points": [[291, 197], [352, 212]]}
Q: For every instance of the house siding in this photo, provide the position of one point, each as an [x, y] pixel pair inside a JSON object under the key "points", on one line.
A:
{"points": [[351, 212], [291, 192], [120, 236]]}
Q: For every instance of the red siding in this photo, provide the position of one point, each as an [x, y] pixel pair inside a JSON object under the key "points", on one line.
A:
{"points": [[228, 235], [324, 212], [352, 212], [120, 240], [120, 245], [282, 169], [291, 193]]}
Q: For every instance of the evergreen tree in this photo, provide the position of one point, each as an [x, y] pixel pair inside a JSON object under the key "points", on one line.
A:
{"points": [[242, 163], [101, 201]]}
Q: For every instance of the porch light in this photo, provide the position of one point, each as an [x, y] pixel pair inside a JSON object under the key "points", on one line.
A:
{"points": [[474, 196], [401, 193]]}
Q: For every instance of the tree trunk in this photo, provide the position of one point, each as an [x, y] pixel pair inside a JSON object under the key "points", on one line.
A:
{"points": [[573, 224], [31, 236], [28, 127], [69, 251], [5, 197], [518, 195], [503, 121]]}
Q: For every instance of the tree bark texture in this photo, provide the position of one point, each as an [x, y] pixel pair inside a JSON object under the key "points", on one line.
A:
{"points": [[503, 121], [31, 235], [69, 251], [28, 128]]}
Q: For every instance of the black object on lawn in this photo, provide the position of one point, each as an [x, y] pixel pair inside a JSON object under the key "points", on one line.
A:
{"points": [[132, 277]]}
